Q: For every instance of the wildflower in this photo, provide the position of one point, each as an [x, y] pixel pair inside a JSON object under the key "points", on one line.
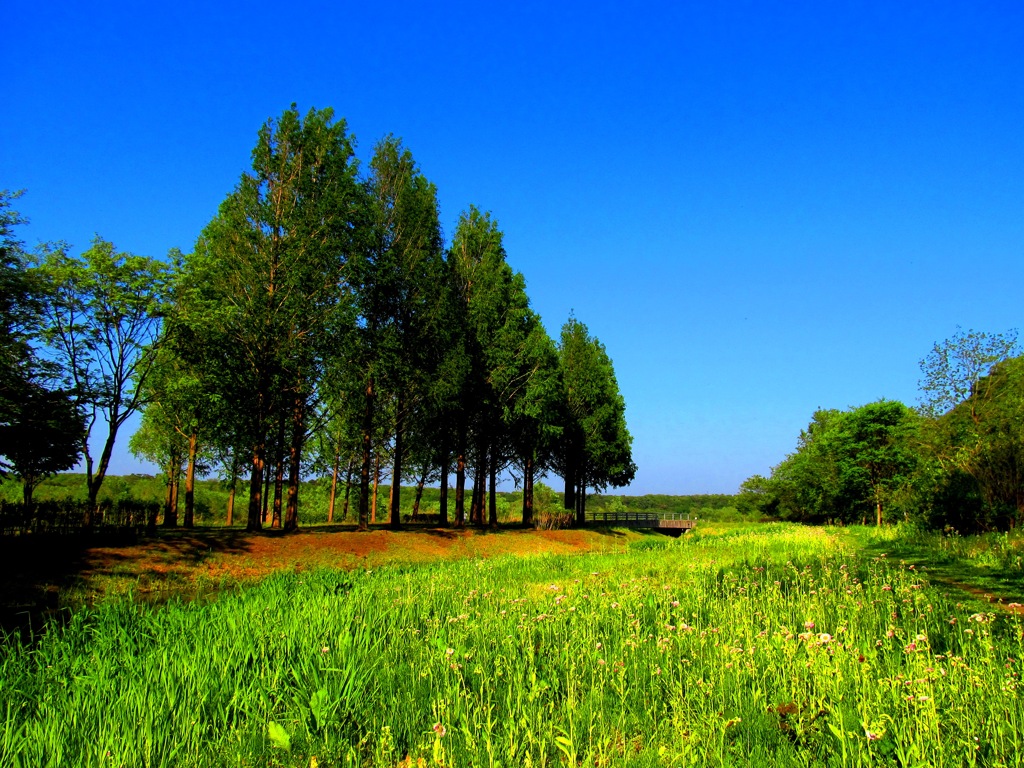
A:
{"points": [[886, 588], [325, 649], [449, 652], [824, 637], [675, 603], [601, 662], [440, 730], [872, 736], [808, 625]]}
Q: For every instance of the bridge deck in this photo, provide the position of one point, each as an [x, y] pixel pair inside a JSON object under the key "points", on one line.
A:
{"points": [[672, 524]]}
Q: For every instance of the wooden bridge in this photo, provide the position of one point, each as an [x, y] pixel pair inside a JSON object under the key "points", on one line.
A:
{"points": [[669, 523]]}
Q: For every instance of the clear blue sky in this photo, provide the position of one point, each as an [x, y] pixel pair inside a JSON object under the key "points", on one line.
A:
{"points": [[759, 208]]}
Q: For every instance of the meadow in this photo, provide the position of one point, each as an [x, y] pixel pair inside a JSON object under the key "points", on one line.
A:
{"points": [[735, 645]]}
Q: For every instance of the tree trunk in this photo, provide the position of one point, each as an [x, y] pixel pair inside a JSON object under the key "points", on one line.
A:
{"points": [[266, 492], [190, 482], [442, 507], [231, 502], [254, 522], [878, 511], [291, 519], [334, 488], [476, 509], [28, 485], [581, 497], [460, 490], [278, 473], [175, 490], [396, 474], [569, 500], [278, 491], [364, 470], [170, 516], [376, 483], [95, 480], [492, 499], [348, 488], [419, 495], [528, 492]]}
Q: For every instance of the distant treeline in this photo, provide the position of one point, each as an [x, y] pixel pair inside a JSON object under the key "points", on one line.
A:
{"points": [[213, 496]]}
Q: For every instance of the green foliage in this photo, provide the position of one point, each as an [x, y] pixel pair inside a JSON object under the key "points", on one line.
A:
{"points": [[978, 451], [596, 449], [848, 467], [102, 324], [41, 428]]}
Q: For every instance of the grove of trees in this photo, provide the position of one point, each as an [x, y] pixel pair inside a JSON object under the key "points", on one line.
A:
{"points": [[956, 461], [320, 326]]}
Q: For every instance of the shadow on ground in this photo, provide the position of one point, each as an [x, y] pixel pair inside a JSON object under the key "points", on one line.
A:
{"points": [[42, 575], [957, 579]]}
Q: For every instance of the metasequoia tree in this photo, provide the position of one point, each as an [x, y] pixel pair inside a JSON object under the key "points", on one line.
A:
{"points": [[596, 449], [395, 278], [268, 275]]}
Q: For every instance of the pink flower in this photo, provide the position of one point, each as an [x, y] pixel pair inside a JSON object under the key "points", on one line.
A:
{"points": [[440, 730]]}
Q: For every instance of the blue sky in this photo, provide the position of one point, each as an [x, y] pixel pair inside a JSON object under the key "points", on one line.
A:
{"points": [[759, 208]]}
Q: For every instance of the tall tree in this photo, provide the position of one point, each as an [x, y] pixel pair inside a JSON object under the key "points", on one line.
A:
{"points": [[102, 327], [875, 446], [269, 271], [596, 448], [20, 312], [396, 279]]}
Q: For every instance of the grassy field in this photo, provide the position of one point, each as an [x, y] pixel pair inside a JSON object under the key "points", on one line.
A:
{"points": [[736, 645]]}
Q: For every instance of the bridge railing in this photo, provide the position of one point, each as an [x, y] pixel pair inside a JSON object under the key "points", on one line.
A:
{"points": [[633, 517]]}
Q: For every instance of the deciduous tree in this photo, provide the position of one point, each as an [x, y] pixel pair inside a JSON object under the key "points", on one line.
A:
{"points": [[102, 327]]}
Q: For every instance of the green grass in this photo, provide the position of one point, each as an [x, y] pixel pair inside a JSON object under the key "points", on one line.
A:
{"points": [[990, 564], [735, 645]]}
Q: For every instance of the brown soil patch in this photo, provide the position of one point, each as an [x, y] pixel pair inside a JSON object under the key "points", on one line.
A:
{"points": [[33, 575]]}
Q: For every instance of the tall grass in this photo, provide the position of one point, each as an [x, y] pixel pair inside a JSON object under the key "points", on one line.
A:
{"points": [[767, 646]]}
